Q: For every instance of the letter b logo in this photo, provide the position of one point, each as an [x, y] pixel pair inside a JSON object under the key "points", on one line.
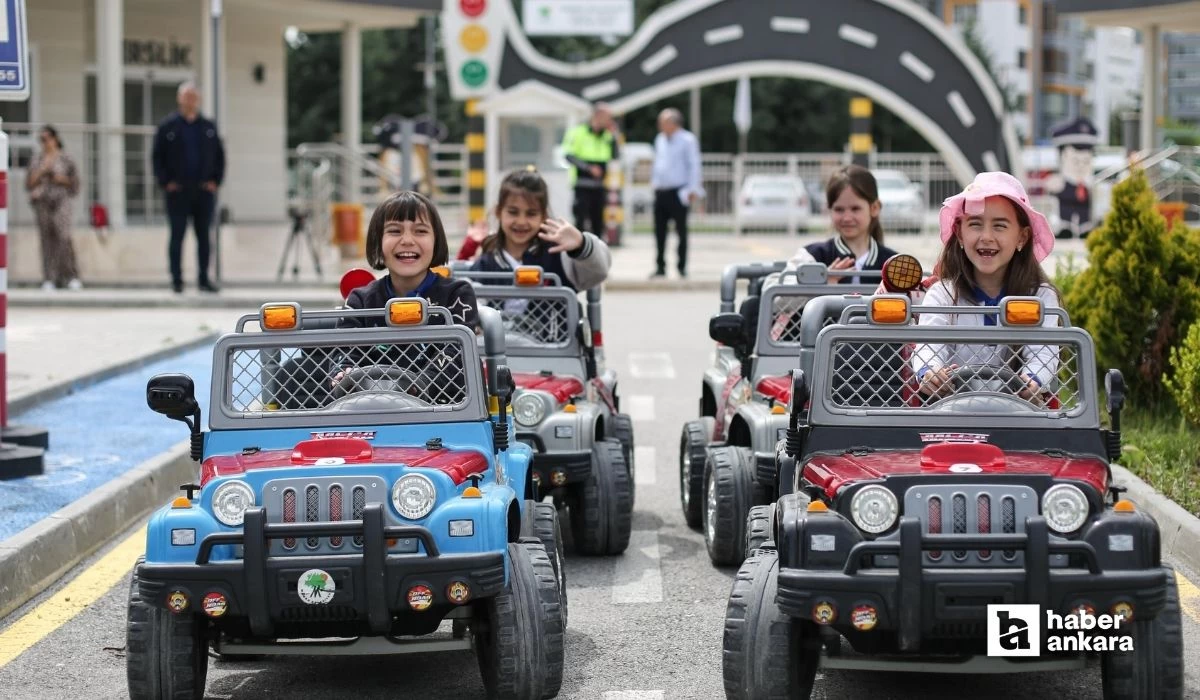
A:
{"points": [[1014, 630]]}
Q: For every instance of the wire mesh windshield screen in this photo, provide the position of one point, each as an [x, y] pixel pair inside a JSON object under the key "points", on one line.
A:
{"points": [[786, 305], [1013, 374], [533, 318], [400, 375]]}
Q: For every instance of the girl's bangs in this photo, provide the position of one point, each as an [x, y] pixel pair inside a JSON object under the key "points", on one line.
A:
{"points": [[406, 209]]}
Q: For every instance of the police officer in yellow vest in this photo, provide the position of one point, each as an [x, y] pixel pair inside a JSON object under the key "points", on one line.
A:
{"points": [[589, 148]]}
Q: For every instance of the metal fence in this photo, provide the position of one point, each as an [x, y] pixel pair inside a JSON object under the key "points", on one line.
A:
{"points": [[730, 182], [144, 203]]}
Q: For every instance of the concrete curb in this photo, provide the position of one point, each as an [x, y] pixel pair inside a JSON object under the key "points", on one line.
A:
{"points": [[1180, 529], [37, 556], [66, 387]]}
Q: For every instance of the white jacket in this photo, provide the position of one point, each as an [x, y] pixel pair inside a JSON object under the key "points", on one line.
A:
{"points": [[1040, 361]]}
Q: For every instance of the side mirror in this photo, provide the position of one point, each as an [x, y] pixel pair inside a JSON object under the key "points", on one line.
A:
{"points": [[728, 328], [172, 395], [799, 398], [504, 383], [1114, 387]]}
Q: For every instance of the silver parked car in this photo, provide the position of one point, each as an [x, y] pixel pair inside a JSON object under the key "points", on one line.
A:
{"points": [[774, 201], [903, 202]]}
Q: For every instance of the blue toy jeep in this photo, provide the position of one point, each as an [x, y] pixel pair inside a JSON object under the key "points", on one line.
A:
{"points": [[358, 488]]}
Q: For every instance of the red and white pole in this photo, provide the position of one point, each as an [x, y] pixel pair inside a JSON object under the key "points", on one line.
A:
{"points": [[21, 449]]}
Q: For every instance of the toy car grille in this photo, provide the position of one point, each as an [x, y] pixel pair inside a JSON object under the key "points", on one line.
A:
{"points": [[785, 314], [316, 500], [963, 509], [989, 378], [399, 376], [533, 321]]}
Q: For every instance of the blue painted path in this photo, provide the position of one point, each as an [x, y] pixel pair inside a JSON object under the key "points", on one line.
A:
{"points": [[96, 435]]}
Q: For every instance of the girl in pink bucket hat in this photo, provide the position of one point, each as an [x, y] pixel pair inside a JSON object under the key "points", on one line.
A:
{"points": [[994, 245]]}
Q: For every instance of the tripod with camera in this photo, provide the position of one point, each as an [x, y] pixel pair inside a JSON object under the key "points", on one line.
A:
{"points": [[301, 234]]}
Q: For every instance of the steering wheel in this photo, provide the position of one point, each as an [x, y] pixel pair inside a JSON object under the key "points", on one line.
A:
{"points": [[379, 379], [987, 378]]}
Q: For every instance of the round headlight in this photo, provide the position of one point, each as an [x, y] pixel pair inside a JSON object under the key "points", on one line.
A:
{"points": [[874, 509], [230, 501], [529, 410], [413, 495], [1065, 508]]}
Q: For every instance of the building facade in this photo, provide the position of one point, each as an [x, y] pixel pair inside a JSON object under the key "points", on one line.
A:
{"points": [[1054, 66], [1183, 77], [105, 72]]}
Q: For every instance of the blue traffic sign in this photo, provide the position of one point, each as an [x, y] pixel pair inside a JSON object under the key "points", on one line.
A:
{"points": [[14, 52]]}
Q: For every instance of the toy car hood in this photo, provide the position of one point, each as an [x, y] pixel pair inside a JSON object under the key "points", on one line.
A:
{"points": [[335, 452], [833, 472], [562, 388]]}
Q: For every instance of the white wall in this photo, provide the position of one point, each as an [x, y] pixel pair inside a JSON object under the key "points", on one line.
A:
{"points": [[57, 28]]}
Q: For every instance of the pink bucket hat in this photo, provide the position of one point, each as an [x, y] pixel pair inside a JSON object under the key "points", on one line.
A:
{"points": [[970, 202]]}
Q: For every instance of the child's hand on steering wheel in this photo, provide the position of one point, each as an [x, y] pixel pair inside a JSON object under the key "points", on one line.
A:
{"points": [[936, 382]]}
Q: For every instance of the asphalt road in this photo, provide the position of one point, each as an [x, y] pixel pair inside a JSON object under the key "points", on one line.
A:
{"points": [[647, 625]]}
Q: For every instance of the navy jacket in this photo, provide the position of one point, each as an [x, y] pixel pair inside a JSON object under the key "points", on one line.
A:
{"points": [[830, 250], [169, 155], [537, 254], [457, 295]]}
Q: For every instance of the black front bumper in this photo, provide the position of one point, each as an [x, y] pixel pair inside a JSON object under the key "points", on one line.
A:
{"points": [[572, 467], [371, 584], [919, 602]]}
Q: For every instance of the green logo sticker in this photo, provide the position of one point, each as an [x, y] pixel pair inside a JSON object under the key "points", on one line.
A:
{"points": [[474, 73]]}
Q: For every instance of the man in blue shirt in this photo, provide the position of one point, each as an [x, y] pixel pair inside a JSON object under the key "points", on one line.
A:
{"points": [[676, 182], [189, 164]]}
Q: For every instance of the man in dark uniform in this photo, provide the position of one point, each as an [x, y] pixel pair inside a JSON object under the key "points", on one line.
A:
{"points": [[189, 164], [1076, 141]]}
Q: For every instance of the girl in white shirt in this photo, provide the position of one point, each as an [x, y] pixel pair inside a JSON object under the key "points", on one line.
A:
{"points": [[994, 245]]}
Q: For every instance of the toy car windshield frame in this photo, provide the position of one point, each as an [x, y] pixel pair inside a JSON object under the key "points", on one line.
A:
{"points": [[828, 375], [317, 331], [550, 300]]}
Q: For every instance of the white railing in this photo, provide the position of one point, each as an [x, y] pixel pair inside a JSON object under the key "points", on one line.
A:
{"points": [[322, 174], [144, 204]]}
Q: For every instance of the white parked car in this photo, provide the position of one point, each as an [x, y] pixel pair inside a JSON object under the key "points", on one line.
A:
{"points": [[903, 202], [774, 200]]}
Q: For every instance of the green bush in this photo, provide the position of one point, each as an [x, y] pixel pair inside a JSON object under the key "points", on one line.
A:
{"points": [[1139, 290], [1184, 380]]}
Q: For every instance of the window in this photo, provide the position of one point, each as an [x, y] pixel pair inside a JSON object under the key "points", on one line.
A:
{"points": [[1054, 61], [965, 14], [1022, 59], [1022, 16]]}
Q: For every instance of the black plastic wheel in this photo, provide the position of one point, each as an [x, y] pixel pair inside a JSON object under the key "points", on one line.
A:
{"points": [[1154, 669], [602, 511], [166, 654], [728, 490], [519, 642], [541, 521], [766, 654], [693, 446], [758, 527]]}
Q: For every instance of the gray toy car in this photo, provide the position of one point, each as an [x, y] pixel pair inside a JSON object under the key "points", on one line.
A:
{"points": [[727, 456], [907, 518], [566, 406]]}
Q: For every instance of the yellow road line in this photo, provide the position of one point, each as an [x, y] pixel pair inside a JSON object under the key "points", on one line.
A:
{"points": [[1189, 597], [72, 599]]}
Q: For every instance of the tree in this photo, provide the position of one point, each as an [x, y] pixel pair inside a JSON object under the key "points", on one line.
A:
{"points": [[1139, 290], [971, 38]]}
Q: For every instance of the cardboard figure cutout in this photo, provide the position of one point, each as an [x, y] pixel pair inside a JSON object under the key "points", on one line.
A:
{"points": [[1076, 141]]}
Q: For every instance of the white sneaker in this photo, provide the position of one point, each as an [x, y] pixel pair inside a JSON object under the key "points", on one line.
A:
{"points": [[75, 285], [48, 286]]}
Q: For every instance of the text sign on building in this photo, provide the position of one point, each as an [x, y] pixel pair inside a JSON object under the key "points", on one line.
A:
{"points": [[578, 17], [14, 56]]}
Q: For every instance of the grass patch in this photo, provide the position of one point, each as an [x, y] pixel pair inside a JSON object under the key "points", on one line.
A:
{"points": [[1165, 453]]}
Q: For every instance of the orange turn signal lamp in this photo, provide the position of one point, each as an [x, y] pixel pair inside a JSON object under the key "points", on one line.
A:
{"points": [[889, 310], [1124, 506], [817, 507], [472, 492], [406, 312], [528, 276], [181, 502], [1022, 312], [279, 316]]}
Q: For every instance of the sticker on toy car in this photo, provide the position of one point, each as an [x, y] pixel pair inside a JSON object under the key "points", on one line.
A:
{"points": [[214, 604], [953, 437], [315, 587], [177, 602], [420, 598], [331, 434]]}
